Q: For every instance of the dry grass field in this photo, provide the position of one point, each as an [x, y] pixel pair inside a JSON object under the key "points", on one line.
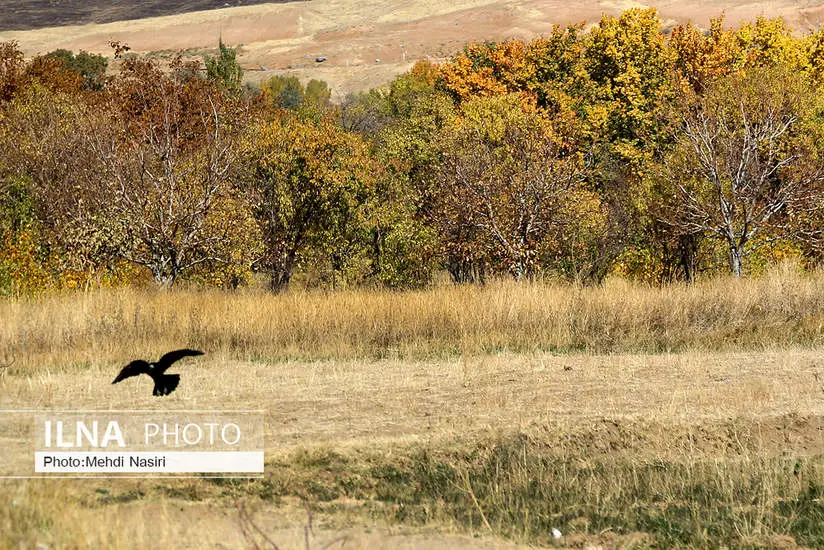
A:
{"points": [[623, 415]]}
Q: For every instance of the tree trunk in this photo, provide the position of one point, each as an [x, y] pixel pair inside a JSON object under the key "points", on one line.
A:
{"points": [[165, 280], [688, 252], [735, 259], [466, 271], [165, 274], [524, 269], [281, 274], [519, 269], [279, 281]]}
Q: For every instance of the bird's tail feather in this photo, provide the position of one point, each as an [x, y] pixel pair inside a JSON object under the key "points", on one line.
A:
{"points": [[166, 384]]}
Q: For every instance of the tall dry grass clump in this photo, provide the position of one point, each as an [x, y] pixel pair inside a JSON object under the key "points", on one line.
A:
{"points": [[785, 307]]}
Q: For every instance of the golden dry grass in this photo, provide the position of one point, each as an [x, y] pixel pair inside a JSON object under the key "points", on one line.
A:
{"points": [[109, 514], [394, 413], [783, 308], [362, 402]]}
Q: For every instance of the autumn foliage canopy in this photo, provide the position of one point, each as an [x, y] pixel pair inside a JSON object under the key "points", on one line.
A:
{"points": [[622, 150]]}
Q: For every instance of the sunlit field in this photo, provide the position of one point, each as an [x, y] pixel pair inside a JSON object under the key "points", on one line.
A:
{"points": [[456, 274], [102, 329], [458, 417]]}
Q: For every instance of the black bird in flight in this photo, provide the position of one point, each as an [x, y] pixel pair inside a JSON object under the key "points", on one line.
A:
{"points": [[164, 384]]}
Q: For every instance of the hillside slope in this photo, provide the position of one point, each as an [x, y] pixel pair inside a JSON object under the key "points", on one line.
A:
{"points": [[36, 14], [367, 42]]}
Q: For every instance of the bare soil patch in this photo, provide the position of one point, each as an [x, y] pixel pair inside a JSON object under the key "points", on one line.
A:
{"points": [[645, 404]]}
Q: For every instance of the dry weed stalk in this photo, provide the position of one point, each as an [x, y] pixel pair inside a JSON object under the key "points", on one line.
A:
{"points": [[818, 379], [252, 531], [5, 366]]}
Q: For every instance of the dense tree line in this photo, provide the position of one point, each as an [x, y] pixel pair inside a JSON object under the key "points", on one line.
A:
{"points": [[622, 149]]}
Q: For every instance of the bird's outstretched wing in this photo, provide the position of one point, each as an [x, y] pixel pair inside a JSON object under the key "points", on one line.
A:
{"points": [[132, 369], [166, 361]]}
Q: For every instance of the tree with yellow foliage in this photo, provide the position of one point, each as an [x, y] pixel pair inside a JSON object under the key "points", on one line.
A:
{"points": [[309, 181], [507, 171], [743, 161]]}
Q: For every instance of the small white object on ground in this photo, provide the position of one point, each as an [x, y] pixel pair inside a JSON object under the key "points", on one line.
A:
{"points": [[556, 534]]}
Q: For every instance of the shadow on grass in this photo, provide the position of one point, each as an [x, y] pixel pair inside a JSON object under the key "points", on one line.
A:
{"points": [[514, 488]]}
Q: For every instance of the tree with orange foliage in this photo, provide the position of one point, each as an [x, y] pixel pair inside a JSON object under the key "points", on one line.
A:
{"points": [[42, 146], [166, 144], [12, 65], [701, 58], [485, 70]]}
